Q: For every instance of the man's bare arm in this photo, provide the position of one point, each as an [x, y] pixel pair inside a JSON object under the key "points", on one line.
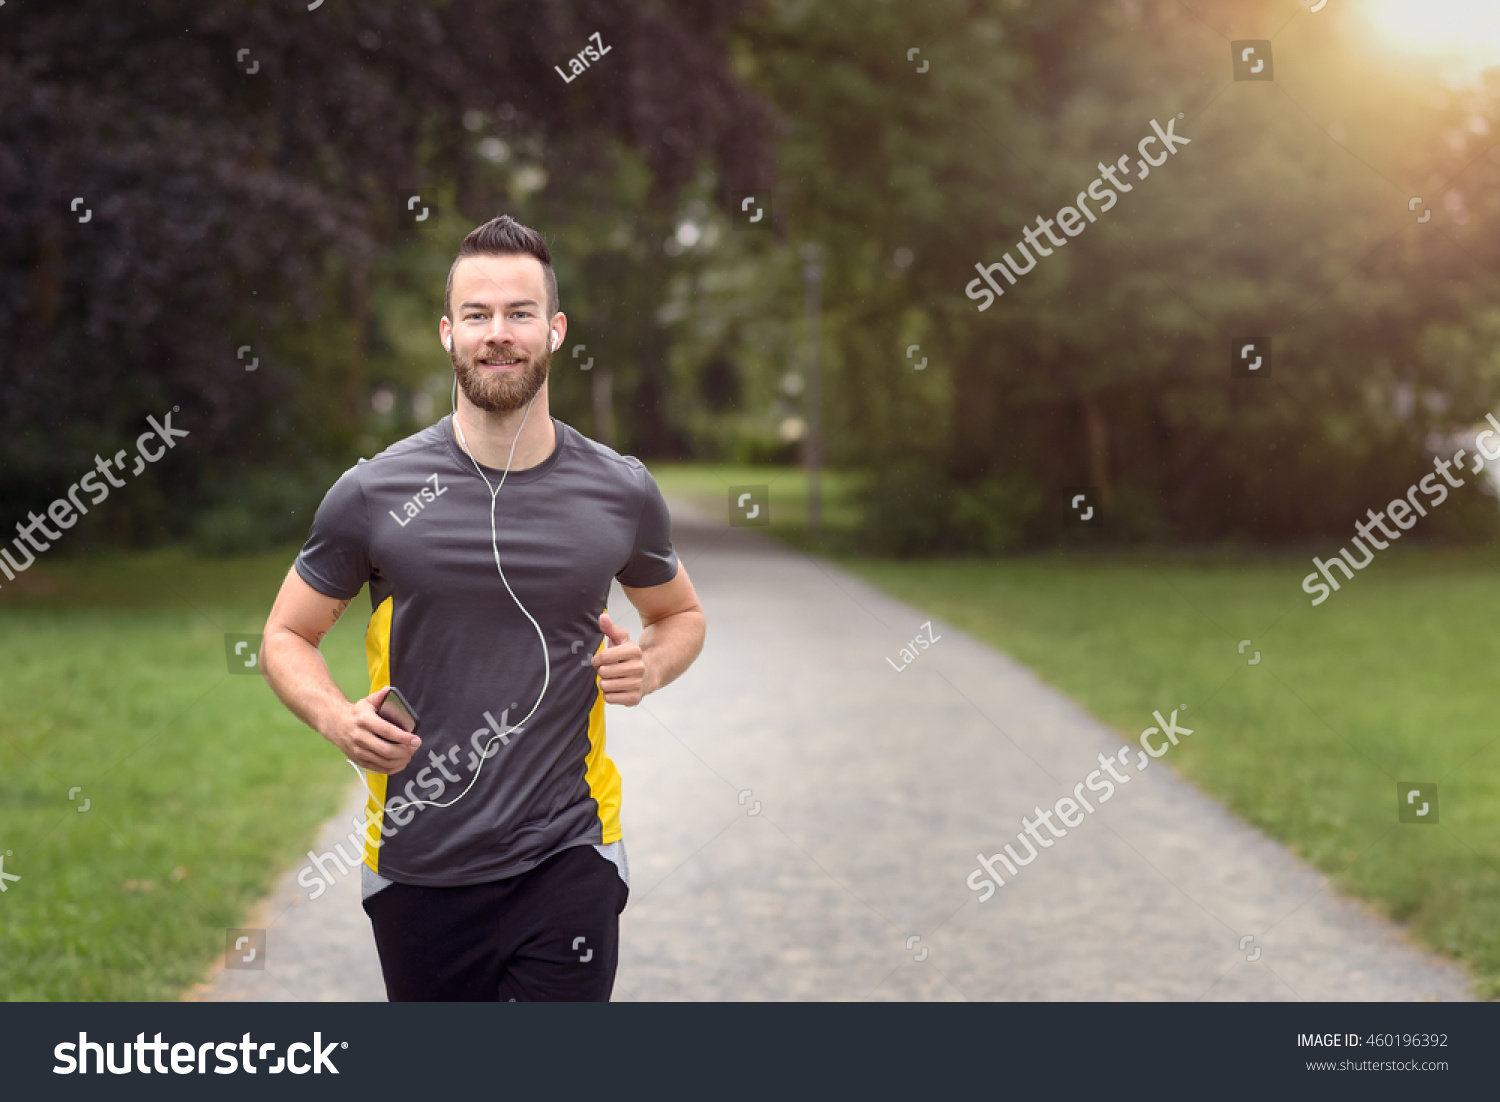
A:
{"points": [[673, 627], [294, 667]]}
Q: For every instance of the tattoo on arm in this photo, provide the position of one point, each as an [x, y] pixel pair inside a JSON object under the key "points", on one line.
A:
{"points": [[337, 612]]}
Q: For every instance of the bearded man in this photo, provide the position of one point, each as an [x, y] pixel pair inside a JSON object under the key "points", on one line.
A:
{"points": [[494, 867]]}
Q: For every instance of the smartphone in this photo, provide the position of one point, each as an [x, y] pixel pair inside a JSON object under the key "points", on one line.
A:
{"points": [[397, 710]]}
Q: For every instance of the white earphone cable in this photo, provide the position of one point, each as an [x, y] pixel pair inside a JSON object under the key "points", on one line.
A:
{"points": [[495, 547]]}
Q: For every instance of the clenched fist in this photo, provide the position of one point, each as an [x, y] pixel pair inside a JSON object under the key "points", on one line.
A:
{"points": [[622, 666]]}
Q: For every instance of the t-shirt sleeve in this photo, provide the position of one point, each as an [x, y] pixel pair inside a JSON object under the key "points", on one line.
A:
{"points": [[335, 560], [652, 560]]}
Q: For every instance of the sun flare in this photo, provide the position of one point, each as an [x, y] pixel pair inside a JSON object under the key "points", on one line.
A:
{"points": [[1467, 30]]}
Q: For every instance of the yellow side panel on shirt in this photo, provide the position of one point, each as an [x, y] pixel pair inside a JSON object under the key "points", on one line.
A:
{"points": [[378, 658], [600, 773]]}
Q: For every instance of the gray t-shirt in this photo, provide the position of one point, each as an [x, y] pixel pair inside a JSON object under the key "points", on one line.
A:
{"points": [[413, 523]]}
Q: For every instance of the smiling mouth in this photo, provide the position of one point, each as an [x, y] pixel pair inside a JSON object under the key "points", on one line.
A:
{"points": [[500, 362]]}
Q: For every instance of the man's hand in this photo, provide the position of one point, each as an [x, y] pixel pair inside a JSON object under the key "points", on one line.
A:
{"points": [[369, 741], [621, 666]]}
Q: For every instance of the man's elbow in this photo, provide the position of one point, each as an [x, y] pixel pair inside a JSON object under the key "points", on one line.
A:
{"points": [[699, 619], [692, 615], [278, 645]]}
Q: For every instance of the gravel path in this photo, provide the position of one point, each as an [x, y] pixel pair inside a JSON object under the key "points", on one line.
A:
{"points": [[797, 812], [315, 950]]}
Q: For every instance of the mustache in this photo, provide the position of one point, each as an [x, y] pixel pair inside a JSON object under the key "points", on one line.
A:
{"points": [[504, 352]]}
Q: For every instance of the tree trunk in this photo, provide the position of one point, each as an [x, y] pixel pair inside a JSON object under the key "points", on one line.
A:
{"points": [[973, 417], [1098, 441], [359, 350], [601, 390]]}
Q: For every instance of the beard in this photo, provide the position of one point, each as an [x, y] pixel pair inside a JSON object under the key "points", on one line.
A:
{"points": [[497, 392]]}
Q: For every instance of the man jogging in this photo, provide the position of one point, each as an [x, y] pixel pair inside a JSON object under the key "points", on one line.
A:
{"points": [[494, 867]]}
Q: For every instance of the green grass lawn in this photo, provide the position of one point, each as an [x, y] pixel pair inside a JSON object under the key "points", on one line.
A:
{"points": [[1393, 678], [707, 486], [201, 787]]}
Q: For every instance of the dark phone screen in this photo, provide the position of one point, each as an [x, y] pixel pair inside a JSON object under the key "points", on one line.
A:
{"points": [[395, 710]]}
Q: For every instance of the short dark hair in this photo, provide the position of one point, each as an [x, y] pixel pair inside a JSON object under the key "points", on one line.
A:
{"points": [[504, 236]]}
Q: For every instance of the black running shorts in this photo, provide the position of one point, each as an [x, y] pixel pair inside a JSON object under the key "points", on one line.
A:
{"points": [[548, 934]]}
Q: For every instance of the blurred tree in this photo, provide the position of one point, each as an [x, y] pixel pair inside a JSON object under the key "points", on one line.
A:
{"points": [[244, 165], [232, 207], [928, 138]]}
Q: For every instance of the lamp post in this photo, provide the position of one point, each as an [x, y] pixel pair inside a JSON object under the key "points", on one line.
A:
{"points": [[812, 278]]}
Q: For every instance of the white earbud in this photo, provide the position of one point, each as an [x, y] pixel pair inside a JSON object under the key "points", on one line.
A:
{"points": [[448, 342]]}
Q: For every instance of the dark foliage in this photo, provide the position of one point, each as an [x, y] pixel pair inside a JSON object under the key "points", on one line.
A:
{"points": [[226, 205]]}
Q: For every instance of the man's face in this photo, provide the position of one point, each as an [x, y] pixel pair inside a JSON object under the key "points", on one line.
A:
{"points": [[501, 337]]}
